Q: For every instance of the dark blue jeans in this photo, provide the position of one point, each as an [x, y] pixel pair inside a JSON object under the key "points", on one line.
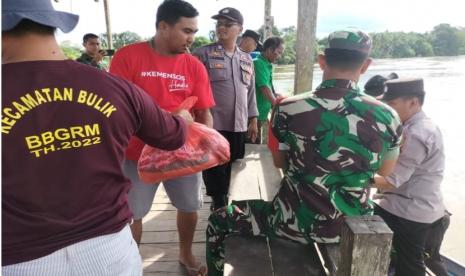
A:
{"points": [[433, 243], [408, 243], [217, 179]]}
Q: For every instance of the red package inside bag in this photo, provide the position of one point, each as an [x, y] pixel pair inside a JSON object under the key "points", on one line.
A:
{"points": [[204, 148]]}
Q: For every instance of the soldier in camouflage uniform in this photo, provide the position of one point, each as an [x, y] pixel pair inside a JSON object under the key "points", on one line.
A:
{"points": [[331, 142], [92, 56]]}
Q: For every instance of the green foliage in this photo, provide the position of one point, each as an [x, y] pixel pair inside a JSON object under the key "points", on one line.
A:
{"points": [[422, 47], [400, 45], [200, 41], [120, 39], [443, 40], [70, 50], [289, 36], [448, 40]]}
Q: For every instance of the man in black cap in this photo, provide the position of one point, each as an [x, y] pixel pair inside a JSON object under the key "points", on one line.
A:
{"points": [[250, 41], [232, 81], [411, 201], [375, 86], [65, 126]]}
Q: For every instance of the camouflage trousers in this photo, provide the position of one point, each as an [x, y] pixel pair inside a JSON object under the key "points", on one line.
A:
{"points": [[249, 217]]}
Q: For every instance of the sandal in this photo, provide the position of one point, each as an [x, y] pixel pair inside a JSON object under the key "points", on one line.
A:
{"points": [[199, 270]]}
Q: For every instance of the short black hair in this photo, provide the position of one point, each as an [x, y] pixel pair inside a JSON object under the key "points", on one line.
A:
{"points": [[171, 10], [88, 36], [273, 43], [344, 59], [28, 26]]}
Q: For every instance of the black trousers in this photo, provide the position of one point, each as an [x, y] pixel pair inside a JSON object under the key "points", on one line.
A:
{"points": [[408, 243], [433, 243], [217, 179]]}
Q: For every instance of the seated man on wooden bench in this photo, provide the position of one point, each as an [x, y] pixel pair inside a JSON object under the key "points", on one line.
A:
{"points": [[330, 143]]}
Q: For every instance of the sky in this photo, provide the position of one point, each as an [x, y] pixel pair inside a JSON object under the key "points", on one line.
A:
{"points": [[369, 15]]}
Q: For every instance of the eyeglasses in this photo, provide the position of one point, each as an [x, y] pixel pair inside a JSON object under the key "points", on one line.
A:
{"points": [[227, 24]]}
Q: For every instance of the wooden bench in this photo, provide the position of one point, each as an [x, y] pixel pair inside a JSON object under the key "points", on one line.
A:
{"points": [[365, 241]]}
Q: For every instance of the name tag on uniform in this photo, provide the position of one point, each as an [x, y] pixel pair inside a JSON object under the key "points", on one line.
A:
{"points": [[215, 54], [217, 65]]}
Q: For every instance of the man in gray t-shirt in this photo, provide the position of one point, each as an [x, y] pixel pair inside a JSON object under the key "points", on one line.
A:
{"points": [[411, 200]]}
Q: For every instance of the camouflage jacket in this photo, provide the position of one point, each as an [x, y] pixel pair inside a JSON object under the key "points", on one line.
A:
{"points": [[336, 139], [86, 59]]}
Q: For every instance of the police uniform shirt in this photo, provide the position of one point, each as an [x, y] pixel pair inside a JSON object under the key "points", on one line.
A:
{"points": [[233, 85], [418, 173]]}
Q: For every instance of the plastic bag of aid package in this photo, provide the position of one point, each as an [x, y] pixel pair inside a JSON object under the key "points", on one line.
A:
{"points": [[204, 148]]}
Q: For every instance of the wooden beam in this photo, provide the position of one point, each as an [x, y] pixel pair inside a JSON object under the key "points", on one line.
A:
{"points": [[305, 45], [268, 28], [106, 7], [365, 247]]}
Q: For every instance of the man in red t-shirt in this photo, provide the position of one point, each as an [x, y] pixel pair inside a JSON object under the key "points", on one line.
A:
{"points": [[164, 69], [65, 127]]}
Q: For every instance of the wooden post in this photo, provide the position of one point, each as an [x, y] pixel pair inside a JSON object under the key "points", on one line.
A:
{"points": [[365, 247], [107, 21], [306, 28], [268, 28]]}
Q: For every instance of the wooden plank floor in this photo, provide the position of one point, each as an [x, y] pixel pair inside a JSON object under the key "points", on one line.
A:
{"points": [[256, 177], [160, 243]]}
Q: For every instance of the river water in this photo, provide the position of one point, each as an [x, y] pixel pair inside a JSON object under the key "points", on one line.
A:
{"points": [[445, 103]]}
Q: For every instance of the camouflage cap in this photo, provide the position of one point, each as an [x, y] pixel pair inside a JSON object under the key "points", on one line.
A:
{"points": [[350, 39]]}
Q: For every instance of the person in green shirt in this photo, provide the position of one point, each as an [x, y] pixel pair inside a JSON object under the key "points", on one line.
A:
{"points": [[273, 48], [92, 55]]}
